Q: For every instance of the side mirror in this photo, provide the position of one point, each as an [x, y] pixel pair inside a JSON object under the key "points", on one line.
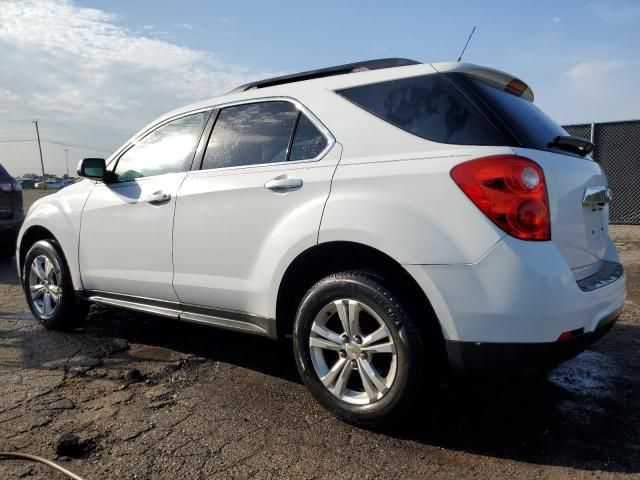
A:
{"points": [[92, 168]]}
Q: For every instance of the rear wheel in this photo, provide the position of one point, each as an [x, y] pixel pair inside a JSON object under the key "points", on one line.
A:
{"points": [[357, 349], [48, 288]]}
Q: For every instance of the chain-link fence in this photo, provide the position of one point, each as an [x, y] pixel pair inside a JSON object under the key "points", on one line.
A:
{"points": [[618, 152]]}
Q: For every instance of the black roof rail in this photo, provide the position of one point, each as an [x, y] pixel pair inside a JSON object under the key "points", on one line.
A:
{"points": [[328, 72]]}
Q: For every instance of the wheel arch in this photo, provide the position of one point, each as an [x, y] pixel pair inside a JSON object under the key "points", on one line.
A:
{"points": [[325, 258], [34, 234]]}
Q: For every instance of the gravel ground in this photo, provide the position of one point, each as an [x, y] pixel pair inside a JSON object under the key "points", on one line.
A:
{"points": [[134, 396]]}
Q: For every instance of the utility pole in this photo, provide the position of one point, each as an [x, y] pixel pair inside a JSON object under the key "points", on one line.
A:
{"points": [[44, 178], [66, 159]]}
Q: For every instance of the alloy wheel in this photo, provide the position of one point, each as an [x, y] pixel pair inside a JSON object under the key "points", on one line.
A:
{"points": [[353, 352], [44, 286]]}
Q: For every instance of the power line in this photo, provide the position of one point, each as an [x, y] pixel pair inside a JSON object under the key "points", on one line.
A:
{"points": [[86, 147]]}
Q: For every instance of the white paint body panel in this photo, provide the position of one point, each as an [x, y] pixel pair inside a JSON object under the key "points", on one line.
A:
{"points": [[520, 292], [234, 238], [126, 242], [61, 214]]}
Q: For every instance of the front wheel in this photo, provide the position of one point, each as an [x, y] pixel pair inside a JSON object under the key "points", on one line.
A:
{"points": [[357, 349], [48, 288]]}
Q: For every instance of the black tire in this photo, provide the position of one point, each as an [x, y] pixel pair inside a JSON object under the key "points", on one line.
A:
{"points": [[69, 310], [369, 290]]}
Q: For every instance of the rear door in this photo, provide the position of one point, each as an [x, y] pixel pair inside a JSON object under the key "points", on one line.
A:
{"points": [[126, 231], [256, 202]]}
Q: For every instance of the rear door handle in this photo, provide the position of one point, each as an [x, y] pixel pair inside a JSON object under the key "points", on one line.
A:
{"points": [[156, 198], [283, 183]]}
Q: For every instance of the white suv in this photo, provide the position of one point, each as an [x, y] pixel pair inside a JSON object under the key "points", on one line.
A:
{"points": [[398, 220]]}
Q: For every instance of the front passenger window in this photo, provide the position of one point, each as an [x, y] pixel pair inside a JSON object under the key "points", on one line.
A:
{"points": [[168, 149]]}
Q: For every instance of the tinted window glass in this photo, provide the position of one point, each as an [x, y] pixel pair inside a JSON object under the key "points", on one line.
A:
{"points": [[308, 142], [427, 106], [530, 124], [167, 149], [251, 134]]}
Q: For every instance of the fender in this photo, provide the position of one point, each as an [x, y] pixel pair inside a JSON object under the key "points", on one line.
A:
{"points": [[61, 215]]}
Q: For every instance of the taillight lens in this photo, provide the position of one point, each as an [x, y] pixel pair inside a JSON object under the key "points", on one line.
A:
{"points": [[10, 186], [511, 191]]}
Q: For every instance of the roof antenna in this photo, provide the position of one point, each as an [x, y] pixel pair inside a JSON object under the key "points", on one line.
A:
{"points": [[465, 45]]}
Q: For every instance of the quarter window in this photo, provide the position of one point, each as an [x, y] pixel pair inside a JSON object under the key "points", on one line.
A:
{"points": [[427, 106], [308, 142], [168, 149]]}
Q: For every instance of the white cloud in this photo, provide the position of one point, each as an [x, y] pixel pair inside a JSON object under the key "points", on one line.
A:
{"points": [[556, 19], [92, 81], [592, 91], [594, 69]]}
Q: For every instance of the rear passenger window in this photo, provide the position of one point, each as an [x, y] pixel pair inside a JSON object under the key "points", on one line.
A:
{"points": [[308, 142], [427, 106], [251, 134]]}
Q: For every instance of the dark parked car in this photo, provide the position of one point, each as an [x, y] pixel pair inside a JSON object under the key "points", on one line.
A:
{"points": [[28, 183], [11, 213]]}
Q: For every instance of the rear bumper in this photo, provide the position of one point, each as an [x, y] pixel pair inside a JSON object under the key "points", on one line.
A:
{"points": [[519, 293], [477, 358]]}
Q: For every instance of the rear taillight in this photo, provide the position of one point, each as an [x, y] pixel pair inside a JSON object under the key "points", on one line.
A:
{"points": [[511, 191], [6, 186]]}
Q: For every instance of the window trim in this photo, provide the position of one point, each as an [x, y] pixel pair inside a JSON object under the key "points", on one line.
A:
{"points": [[331, 141]]}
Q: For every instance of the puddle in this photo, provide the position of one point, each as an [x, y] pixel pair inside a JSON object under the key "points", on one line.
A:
{"points": [[589, 377]]}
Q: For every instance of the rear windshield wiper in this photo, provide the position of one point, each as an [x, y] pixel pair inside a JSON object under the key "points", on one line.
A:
{"points": [[578, 145]]}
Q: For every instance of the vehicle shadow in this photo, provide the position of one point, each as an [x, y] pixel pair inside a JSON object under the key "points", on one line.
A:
{"points": [[8, 273], [584, 414]]}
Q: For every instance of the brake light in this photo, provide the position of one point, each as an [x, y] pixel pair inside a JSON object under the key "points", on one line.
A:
{"points": [[6, 186], [511, 191], [516, 87]]}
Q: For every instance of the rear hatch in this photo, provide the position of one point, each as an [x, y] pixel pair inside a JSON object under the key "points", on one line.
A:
{"points": [[579, 227]]}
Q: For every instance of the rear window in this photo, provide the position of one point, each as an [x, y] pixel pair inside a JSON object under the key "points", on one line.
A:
{"points": [[427, 106], [532, 127], [3, 172]]}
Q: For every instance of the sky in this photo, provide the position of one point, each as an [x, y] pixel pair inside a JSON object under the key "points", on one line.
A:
{"points": [[94, 72]]}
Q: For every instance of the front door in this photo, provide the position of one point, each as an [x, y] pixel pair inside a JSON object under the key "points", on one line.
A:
{"points": [[126, 230]]}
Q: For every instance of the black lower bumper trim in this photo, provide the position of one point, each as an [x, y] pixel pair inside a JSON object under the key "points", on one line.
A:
{"points": [[479, 358]]}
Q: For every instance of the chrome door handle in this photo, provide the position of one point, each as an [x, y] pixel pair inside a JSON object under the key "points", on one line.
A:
{"points": [[283, 183], [156, 198]]}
